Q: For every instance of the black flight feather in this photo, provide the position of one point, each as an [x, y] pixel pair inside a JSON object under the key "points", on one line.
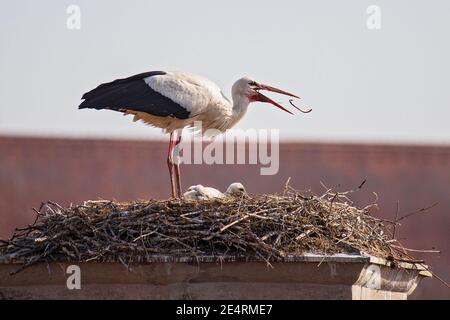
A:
{"points": [[133, 93]]}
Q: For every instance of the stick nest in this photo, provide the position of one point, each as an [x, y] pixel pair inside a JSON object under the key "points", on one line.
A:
{"points": [[267, 227]]}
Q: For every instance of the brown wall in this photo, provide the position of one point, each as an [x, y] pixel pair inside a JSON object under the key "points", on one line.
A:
{"points": [[70, 171]]}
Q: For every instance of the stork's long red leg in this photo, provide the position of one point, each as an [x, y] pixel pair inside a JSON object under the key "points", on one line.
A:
{"points": [[170, 164], [177, 166]]}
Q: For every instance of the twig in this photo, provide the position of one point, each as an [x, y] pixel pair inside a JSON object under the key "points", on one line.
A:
{"points": [[416, 250], [395, 220], [418, 211]]}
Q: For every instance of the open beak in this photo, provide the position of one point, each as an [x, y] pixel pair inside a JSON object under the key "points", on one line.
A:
{"points": [[262, 98]]}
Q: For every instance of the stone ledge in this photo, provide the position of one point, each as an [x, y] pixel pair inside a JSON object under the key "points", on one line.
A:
{"points": [[305, 277]]}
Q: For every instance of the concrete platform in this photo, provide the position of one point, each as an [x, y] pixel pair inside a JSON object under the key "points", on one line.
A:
{"points": [[307, 277]]}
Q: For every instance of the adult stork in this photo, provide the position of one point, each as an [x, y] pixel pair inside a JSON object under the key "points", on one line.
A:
{"points": [[175, 100]]}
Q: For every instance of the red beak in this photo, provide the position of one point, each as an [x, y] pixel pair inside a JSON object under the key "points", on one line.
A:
{"points": [[262, 98]]}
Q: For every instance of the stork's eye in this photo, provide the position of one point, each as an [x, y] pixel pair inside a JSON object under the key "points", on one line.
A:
{"points": [[253, 83]]}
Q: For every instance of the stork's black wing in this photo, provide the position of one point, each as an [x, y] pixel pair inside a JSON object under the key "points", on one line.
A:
{"points": [[135, 94]]}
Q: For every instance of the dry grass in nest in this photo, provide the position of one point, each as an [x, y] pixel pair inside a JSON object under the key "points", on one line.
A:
{"points": [[267, 227]]}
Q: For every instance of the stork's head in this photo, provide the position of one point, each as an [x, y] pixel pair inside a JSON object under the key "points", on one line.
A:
{"points": [[250, 89], [235, 189]]}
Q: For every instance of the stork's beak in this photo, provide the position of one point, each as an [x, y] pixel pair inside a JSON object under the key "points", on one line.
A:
{"points": [[262, 98]]}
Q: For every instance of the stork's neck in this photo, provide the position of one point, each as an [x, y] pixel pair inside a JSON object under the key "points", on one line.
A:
{"points": [[240, 105]]}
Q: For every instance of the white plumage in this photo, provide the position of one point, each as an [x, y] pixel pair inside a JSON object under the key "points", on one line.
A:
{"points": [[195, 93], [201, 97], [200, 192]]}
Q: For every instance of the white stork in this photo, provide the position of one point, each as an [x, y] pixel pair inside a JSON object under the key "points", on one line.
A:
{"points": [[175, 100]]}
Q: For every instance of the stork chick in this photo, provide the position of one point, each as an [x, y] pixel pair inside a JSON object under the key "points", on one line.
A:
{"points": [[200, 192]]}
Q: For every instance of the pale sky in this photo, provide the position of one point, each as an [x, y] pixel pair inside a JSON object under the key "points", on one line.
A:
{"points": [[388, 85]]}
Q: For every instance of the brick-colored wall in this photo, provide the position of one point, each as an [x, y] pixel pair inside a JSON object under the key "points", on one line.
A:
{"points": [[70, 171]]}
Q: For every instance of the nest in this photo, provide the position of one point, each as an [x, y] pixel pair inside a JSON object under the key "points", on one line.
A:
{"points": [[265, 227]]}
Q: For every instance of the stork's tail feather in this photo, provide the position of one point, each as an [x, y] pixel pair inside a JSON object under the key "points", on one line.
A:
{"points": [[134, 94], [114, 95], [85, 105]]}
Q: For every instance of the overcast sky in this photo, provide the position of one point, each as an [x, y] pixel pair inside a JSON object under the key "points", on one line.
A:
{"points": [[387, 85]]}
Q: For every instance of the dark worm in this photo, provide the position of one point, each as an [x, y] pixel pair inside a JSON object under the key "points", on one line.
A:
{"points": [[302, 111]]}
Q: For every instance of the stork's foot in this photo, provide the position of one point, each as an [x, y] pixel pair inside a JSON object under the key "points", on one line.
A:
{"points": [[178, 180], [174, 166], [172, 177]]}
